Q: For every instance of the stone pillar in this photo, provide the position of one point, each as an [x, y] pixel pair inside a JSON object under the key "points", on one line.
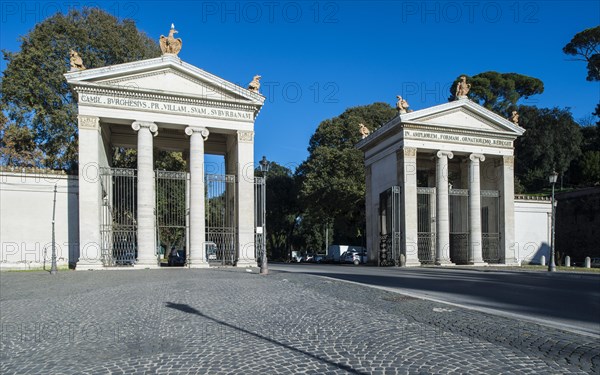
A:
{"points": [[475, 238], [146, 197], [372, 217], [407, 177], [442, 253], [90, 193], [506, 187], [245, 198], [196, 253]]}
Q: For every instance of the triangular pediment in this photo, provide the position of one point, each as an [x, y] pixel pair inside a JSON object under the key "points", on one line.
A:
{"points": [[166, 75], [171, 81], [462, 115]]}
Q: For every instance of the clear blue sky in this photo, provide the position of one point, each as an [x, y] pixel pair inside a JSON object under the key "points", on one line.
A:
{"points": [[319, 58]]}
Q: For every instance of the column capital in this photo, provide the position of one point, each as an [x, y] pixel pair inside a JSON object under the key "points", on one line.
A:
{"points": [[137, 125], [245, 136], [88, 122], [448, 154], [197, 129], [477, 157], [407, 152]]}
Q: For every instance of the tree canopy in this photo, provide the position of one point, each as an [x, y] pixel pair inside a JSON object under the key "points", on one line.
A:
{"points": [[552, 141], [584, 46], [39, 103], [500, 92], [332, 178]]}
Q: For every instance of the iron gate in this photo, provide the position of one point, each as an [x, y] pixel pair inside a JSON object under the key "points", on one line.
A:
{"points": [[426, 224], [118, 225], [490, 226], [221, 232], [459, 225], [259, 217], [389, 226], [172, 210]]}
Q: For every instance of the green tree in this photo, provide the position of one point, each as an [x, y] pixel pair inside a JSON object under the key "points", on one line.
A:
{"points": [[17, 145], [500, 92], [584, 46], [552, 141], [332, 178], [282, 210], [35, 94]]}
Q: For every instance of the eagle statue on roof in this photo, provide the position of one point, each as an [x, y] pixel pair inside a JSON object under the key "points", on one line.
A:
{"points": [[170, 44]]}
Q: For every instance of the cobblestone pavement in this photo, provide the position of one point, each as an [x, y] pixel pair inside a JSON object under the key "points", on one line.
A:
{"points": [[231, 321]]}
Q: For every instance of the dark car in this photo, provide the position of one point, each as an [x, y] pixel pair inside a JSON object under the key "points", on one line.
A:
{"points": [[177, 258]]}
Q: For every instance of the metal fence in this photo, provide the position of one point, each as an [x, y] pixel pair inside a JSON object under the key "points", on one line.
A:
{"points": [[118, 223], [220, 205], [259, 217], [490, 226], [459, 225], [389, 226], [426, 224], [172, 210]]}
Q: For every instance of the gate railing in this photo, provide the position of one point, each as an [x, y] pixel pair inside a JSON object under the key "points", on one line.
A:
{"points": [[459, 225], [172, 210], [389, 224], [426, 224], [490, 226], [220, 206], [118, 222], [259, 217]]}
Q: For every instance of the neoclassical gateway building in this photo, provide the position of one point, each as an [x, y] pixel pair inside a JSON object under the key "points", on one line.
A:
{"points": [[132, 216], [439, 186]]}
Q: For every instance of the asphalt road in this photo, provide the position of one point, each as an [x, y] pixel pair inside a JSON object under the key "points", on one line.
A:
{"points": [[562, 300]]}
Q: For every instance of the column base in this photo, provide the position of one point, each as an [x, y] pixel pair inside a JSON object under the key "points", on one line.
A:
{"points": [[477, 263], [139, 266], [89, 267], [246, 263], [412, 263], [198, 265], [444, 263]]}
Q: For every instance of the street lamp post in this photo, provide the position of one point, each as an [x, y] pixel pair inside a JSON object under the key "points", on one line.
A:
{"points": [[53, 268], [264, 167], [552, 264]]}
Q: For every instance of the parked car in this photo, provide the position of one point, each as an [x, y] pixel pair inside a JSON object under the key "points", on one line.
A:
{"points": [[355, 257], [211, 250], [176, 258]]}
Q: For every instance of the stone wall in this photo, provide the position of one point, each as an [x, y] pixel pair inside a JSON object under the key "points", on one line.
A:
{"points": [[26, 201], [532, 229]]}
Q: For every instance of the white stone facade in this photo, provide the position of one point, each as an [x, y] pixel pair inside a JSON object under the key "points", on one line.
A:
{"points": [[454, 166], [163, 104]]}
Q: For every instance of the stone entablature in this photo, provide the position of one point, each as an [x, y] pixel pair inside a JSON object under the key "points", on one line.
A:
{"points": [[168, 86]]}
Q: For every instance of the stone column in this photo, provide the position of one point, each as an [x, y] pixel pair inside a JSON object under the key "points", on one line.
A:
{"points": [[90, 193], [196, 253], [475, 239], [245, 198], [146, 196], [506, 187], [372, 216], [442, 247], [407, 177]]}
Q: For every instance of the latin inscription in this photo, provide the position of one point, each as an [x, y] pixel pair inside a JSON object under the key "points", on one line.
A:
{"points": [[457, 138], [165, 107]]}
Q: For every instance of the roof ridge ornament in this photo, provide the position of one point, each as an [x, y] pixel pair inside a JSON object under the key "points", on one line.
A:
{"points": [[462, 89], [169, 45], [254, 86], [76, 61], [402, 105]]}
